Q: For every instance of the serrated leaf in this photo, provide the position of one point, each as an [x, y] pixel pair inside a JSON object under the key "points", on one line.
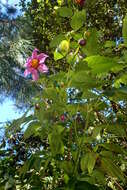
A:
{"points": [[100, 64], [78, 19], [81, 79]]}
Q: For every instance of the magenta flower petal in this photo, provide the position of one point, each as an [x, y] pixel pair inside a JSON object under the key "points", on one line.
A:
{"points": [[34, 54], [27, 72], [28, 62], [35, 74], [43, 68], [42, 60], [41, 56]]}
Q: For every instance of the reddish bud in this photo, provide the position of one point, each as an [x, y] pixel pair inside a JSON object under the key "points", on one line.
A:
{"points": [[80, 2], [82, 42], [37, 106], [62, 118]]}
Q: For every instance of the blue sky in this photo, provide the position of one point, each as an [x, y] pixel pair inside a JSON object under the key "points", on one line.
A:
{"points": [[8, 111], [11, 3]]}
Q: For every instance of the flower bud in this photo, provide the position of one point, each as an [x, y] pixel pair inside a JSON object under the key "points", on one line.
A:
{"points": [[64, 46], [80, 2], [62, 118], [82, 42], [37, 106]]}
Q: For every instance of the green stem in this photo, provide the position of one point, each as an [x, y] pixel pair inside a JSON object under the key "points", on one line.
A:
{"points": [[82, 142], [76, 52]]}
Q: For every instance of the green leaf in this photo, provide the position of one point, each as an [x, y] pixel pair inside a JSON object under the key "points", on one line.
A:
{"points": [[66, 178], [55, 140], [58, 55], [96, 131], [56, 144], [118, 130], [77, 36], [71, 58], [23, 170], [32, 129], [112, 169], [122, 90], [122, 79], [56, 40], [91, 162], [100, 64], [50, 93], [88, 162], [89, 48], [82, 79], [125, 55], [110, 44], [99, 176], [124, 30], [82, 66], [78, 19], [113, 147], [83, 185], [84, 162], [67, 166], [107, 154], [58, 129], [65, 12], [64, 47]]}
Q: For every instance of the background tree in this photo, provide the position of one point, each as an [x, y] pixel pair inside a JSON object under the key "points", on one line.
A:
{"points": [[15, 44]]}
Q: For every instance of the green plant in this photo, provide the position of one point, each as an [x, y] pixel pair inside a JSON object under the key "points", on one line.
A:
{"points": [[76, 138]]}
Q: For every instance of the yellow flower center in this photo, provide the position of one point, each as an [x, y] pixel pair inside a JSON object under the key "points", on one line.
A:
{"points": [[34, 63]]}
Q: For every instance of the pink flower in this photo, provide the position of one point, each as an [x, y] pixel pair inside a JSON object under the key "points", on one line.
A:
{"points": [[35, 64]]}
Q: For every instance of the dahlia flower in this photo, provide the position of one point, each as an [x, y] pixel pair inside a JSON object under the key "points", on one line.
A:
{"points": [[35, 64]]}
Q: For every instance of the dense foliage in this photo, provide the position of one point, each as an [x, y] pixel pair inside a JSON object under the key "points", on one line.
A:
{"points": [[74, 136]]}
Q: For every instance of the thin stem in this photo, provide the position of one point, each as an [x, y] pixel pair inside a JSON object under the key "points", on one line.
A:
{"points": [[82, 142]]}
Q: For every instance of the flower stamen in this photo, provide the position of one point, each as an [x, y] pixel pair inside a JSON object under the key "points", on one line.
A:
{"points": [[35, 63]]}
